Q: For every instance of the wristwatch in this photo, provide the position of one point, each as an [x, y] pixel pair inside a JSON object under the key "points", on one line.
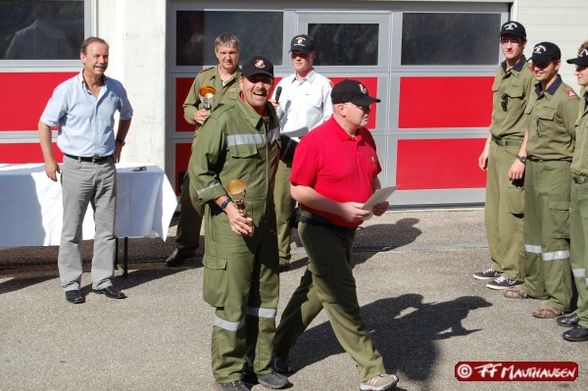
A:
{"points": [[121, 142], [225, 203], [522, 159]]}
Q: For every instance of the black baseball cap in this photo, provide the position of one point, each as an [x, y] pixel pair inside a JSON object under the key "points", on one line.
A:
{"points": [[352, 91], [581, 60], [545, 52], [301, 43], [257, 65], [514, 29]]}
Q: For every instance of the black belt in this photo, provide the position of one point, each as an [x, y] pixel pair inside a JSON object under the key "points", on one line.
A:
{"points": [[90, 159], [309, 218], [579, 179], [504, 142]]}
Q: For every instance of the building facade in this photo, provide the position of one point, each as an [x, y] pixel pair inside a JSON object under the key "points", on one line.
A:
{"points": [[431, 62]]}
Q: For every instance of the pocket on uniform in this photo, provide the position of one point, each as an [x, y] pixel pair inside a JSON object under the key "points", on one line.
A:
{"points": [[559, 212], [215, 281], [515, 200], [243, 151]]}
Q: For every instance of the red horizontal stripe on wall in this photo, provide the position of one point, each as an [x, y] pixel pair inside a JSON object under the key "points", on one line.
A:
{"points": [[25, 153], [445, 102], [439, 164], [371, 83], [24, 97], [182, 159]]}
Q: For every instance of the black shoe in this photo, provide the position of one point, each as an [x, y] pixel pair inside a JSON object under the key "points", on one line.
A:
{"points": [[178, 257], [236, 385], [110, 292], [577, 334], [74, 296], [273, 380], [568, 320], [282, 365]]}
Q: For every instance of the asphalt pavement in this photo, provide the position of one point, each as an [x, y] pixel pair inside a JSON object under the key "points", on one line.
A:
{"points": [[418, 299]]}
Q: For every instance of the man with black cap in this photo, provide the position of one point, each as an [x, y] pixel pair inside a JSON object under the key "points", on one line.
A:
{"points": [[334, 173], [579, 209], [504, 158], [302, 101], [552, 112], [240, 141]]}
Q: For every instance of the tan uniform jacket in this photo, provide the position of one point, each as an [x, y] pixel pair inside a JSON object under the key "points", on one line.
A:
{"points": [[511, 91], [224, 94], [552, 117]]}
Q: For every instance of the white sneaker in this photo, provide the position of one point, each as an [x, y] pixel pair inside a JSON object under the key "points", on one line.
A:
{"points": [[381, 382]]}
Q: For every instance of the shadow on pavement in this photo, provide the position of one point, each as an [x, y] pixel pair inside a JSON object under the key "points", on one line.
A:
{"points": [[21, 283], [404, 330]]}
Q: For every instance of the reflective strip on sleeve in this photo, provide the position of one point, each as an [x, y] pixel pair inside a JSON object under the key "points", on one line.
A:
{"points": [[201, 192], [225, 324], [269, 313], [579, 272], [556, 255], [530, 248], [243, 139]]}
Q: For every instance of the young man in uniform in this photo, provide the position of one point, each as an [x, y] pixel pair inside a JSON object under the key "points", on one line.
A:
{"points": [[552, 112], [304, 102], [504, 158], [83, 107], [334, 173], [240, 141], [224, 78], [579, 209]]}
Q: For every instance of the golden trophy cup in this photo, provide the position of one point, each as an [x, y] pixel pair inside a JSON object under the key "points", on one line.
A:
{"points": [[207, 94], [237, 189]]}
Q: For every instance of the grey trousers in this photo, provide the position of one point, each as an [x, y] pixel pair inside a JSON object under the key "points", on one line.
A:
{"points": [[86, 183]]}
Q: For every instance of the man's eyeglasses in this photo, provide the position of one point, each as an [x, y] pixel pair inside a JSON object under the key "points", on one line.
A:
{"points": [[365, 109]]}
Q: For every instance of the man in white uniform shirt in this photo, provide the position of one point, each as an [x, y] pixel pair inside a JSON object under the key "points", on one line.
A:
{"points": [[302, 101]]}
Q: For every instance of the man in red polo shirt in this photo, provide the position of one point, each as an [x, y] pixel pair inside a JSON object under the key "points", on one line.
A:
{"points": [[333, 174]]}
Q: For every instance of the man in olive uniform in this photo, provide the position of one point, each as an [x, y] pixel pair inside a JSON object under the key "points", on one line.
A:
{"points": [[504, 158], [224, 78], [579, 209], [552, 111], [240, 141]]}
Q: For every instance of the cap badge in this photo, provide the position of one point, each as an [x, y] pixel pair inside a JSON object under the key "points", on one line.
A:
{"points": [[300, 41], [510, 26], [259, 64], [362, 88], [539, 49], [583, 53]]}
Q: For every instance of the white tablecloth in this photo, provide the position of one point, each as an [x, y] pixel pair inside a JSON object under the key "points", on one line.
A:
{"points": [[31, 207]]}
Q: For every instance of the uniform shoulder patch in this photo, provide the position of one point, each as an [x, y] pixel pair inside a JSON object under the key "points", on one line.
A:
{"points": [[205, 69], [571, 93]]}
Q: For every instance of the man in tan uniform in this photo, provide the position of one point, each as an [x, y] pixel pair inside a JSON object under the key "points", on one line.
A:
{"points": [[224, 78], [552, 112], [579, 210], [504, 158]]}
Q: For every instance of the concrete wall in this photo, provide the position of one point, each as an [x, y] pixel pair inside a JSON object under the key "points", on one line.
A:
{"points": [[562, 22], [135, 30]]}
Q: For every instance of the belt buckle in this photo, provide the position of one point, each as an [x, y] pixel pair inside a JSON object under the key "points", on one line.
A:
{"points": [[95, 159]]}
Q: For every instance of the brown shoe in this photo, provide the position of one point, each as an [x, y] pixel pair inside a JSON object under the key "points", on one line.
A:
{"points": [[547, 312], [514, 293]]}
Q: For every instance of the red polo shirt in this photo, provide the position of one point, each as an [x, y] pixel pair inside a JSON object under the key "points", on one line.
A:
{"points": [[340, 167]]}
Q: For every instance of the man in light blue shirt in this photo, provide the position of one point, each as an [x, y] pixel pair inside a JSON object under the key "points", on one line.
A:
{"points": [[82, 108]]}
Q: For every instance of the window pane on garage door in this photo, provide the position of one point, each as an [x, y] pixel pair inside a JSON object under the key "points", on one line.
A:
{"points": [[450, 39], [346, 43], [260, 33]]}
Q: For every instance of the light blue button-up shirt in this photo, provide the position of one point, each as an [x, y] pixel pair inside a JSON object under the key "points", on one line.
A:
{"points": [[86, 123]]}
